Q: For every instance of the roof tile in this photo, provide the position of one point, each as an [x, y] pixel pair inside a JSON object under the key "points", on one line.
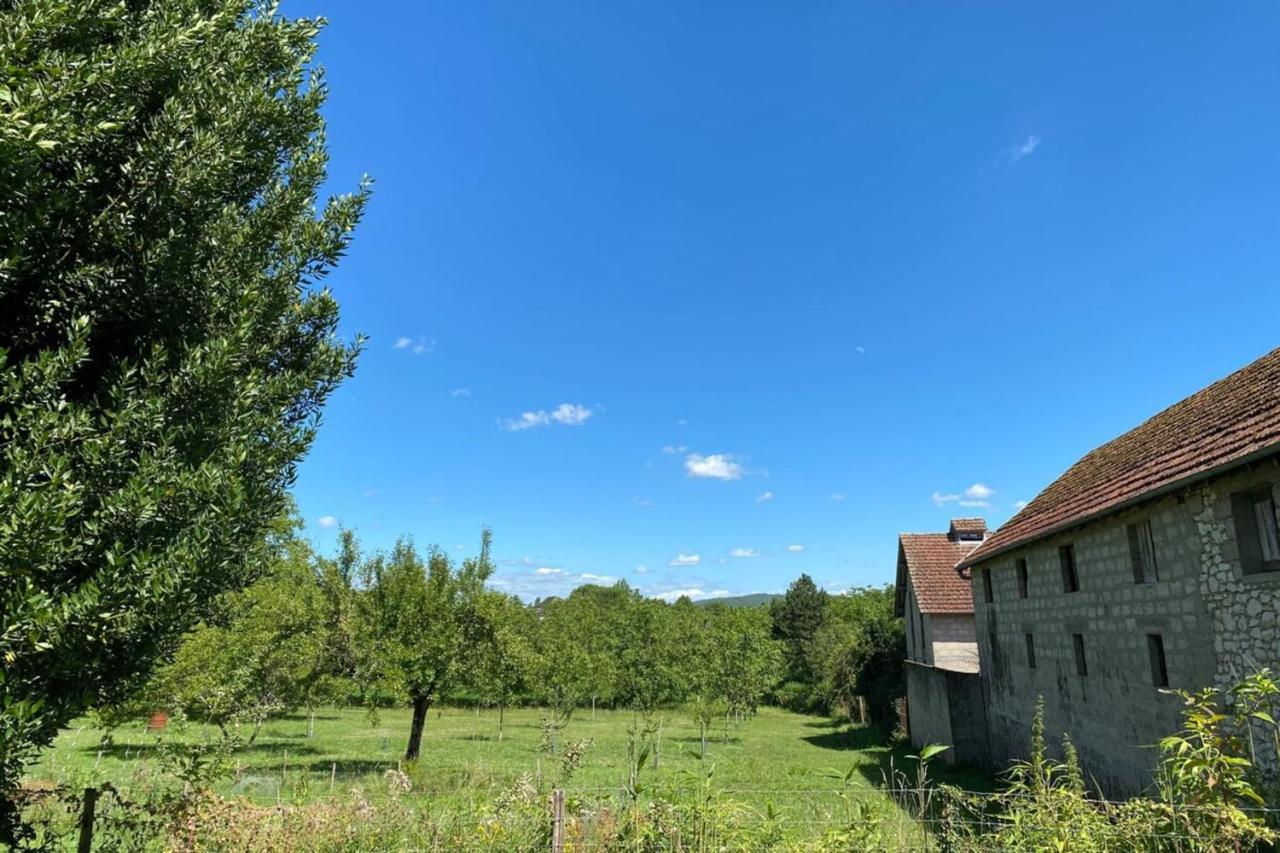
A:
{"points": [[1228, 422]]}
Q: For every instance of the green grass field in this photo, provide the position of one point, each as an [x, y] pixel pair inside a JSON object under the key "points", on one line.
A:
{"points": [[777, 759]]}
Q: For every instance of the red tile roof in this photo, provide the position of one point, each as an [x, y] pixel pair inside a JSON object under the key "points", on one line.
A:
{"points": [[968, 525], [930, 560], [1228, 423]]}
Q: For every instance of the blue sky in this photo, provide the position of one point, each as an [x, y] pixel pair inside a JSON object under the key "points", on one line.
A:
{"points": [[768, 283]]}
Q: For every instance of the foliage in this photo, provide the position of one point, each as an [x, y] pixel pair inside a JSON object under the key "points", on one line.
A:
{"points": [[420, 622], [797, 617], [264, 655], [164, 350], [1202, 805]]}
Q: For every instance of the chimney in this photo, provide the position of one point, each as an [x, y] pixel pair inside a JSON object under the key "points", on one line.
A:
{"points": [[967, 530]]}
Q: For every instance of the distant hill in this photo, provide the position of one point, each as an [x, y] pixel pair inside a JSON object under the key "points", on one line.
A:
{"points": [[755, 599]]}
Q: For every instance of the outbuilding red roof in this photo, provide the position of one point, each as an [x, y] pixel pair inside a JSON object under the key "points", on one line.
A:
{"points": [[930, 559], [1232, 421]]}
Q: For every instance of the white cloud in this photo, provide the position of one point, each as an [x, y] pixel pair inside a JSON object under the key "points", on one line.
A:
{"points": [[764, 497], [976, 495], [590, 578], [717, 466], [860, 350], [571, 414], [685, 560], [526, 421], [682, 422], [642, 569], [1019, 504], [839, 496], [418, 345], [548, 570], [694, 593], [979, 492], [744, 552], [1026, 149], [795, 548], [460, 392], [674, 449], [568, 414], [327, 521]]}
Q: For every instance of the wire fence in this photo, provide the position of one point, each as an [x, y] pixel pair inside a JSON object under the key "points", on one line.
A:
{"points": [[588, 818]]}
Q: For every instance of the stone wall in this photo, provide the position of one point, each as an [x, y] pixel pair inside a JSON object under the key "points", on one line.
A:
{"points": [[1115, 712], [947, 707]]}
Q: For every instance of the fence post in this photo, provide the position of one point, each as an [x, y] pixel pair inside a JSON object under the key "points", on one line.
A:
{"points": [[333, 774], [557, 821], [86, 820]]}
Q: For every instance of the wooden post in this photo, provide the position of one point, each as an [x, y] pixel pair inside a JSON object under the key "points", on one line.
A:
{"points": [[333, 774], [557, 821], [86, 820]]}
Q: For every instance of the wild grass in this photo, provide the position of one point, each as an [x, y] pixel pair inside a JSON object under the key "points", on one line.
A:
{"points": [[776, 765]]}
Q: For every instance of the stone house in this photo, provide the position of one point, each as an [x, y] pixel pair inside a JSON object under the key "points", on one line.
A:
{"points": [[1152, 563], [935, 601]]}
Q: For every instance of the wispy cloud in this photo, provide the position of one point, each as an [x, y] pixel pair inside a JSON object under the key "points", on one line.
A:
{"points": [[327, 522], [795, 548], [370, 493], [549, 571], [675, 449], [643, 502], [745, 553], [717, 466], [566, 414], [418, 346], [839, 496], [1019, 504], [1026, 149], [460, 392], [592, 578], [978, 495], [642, 569], [860, 350], [681, 560], [765, 497]]}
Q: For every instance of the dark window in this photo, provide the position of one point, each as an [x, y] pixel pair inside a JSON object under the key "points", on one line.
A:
{"points": [[1142, 552], [1159, 668], [1256, 532], [1077, 643], [1022, 577], [1067, 558], [988, 595], [1031, 652]]}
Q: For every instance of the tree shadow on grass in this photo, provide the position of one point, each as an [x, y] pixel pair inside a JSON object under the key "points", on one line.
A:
{"points": [[825, 724], [126, 751], [860, 738]]}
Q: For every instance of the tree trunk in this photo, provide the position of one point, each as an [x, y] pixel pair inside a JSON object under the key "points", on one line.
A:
{"points": [[10, 822], [421, 705], [593, 709], [311, 724], [501, 708], [257, 727]]}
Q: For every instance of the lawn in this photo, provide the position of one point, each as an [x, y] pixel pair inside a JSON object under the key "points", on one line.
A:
{"points": [[777, 762]]}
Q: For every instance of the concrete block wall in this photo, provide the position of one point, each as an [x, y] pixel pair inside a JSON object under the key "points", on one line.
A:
{"points": [[947, 707], [1115, 713]]}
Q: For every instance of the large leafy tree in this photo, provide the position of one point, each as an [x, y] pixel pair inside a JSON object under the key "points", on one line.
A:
{"points": [[422, 623], [165, 350]]}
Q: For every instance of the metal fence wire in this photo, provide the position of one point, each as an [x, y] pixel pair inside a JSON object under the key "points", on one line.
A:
{"points": [[588, 818]]}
